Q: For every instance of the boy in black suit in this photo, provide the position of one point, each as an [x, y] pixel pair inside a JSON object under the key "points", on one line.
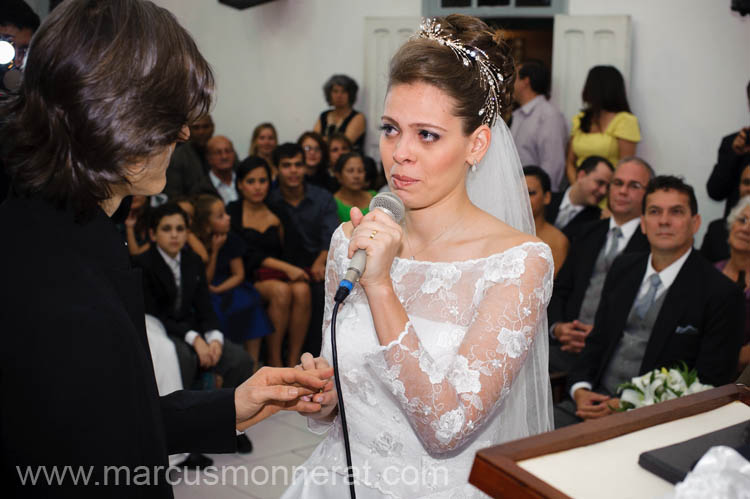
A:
{"points": [[658, 309], [176, 292]]}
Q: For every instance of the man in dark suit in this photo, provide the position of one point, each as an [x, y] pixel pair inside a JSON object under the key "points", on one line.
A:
{"points": [[715, 245], [222, 162], [734, 152], [658, 309], [579, 283], [188, 166], [570, 210]]}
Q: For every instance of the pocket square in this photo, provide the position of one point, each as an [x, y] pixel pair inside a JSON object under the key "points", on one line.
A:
{"points": [[686, 330]]}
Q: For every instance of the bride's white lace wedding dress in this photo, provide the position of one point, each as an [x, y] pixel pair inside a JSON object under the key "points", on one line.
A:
{"points": [[469, 371]]}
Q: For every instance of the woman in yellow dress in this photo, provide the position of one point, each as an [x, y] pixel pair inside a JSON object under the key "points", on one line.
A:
{"points": [[605, 127]]}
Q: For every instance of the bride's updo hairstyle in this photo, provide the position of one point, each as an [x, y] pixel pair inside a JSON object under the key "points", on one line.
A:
{"points": [[425, 59]]}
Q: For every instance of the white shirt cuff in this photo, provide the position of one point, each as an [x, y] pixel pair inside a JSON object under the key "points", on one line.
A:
{"points": [[214, 335], [576, 386], [190, 337]]}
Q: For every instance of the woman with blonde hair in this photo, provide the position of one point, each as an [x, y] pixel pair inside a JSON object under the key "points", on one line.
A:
{"points": [[262, 143]]}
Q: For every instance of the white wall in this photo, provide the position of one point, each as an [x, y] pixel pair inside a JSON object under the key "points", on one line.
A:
{"points": [[691, 62], [690, 66], [271, 60]]}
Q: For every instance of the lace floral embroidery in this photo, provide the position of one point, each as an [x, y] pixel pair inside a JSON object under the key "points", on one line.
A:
{"points": [[447, 398]]}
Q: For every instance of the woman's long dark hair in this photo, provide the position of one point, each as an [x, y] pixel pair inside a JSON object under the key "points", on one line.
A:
{"points": [[106, 85], [604, 90], [245, 167]]}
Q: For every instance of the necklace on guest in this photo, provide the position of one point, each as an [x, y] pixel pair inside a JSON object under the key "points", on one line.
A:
{"points": [[447, 231]]}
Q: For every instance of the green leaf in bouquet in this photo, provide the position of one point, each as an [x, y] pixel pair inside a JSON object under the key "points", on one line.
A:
{"points": [[625, 406], [676, 392], [628, 385]]}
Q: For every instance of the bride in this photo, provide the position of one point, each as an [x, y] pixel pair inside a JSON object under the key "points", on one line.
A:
{"points": [[443, 345]]}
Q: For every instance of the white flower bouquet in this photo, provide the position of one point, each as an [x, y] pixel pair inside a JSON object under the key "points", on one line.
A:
{"points": [[659, 385]]}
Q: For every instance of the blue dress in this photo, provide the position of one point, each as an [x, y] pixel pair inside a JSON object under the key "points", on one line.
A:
{"points": [[240, 310]]}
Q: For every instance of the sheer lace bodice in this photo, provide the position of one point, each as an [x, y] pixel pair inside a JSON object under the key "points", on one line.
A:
{"points": [[468, 371]]}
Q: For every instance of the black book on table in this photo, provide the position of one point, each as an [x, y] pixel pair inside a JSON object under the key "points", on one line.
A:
{"points": [[673, 462]]}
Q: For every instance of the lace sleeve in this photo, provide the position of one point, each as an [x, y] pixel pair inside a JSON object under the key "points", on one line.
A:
{"points": [[447, 404], [332, 279]]}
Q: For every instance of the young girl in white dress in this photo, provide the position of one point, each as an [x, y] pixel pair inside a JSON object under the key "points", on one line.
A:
{"points": [[442, 345]]}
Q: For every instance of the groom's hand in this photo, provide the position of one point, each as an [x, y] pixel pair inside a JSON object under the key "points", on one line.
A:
{"points": [[272, 389]]}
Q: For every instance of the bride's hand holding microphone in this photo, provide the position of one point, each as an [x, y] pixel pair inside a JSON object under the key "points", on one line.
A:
{"points": [[380, 236]]}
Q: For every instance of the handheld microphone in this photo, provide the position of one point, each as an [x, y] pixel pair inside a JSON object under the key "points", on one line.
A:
{"points": [[393, 206], [389, 203]]}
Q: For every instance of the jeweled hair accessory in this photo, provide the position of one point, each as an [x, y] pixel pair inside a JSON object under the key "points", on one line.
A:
{"points": [[490, 76]]}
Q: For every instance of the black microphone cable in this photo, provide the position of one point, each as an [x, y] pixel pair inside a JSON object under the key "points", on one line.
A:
{"points": [[341, 295], [394, 207]]}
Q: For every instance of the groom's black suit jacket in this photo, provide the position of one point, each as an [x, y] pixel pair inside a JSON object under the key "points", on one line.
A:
{"points": [[572, 280], [700, 322], [77, 384]]}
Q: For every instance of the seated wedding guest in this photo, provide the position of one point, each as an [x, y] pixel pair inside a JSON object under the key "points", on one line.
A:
{"points": [[578, 287], [236, 302], [341, 92], [221, 177], [312, 215], [658, 309], [195, 244], [351, 175], [189, 165], [316, 159], [175, 292], [734, 154], [579, 203], [715, 247], [282, 285], [538, 182], [737, 267], [605, 127], [538, 127], [263, 142], [338, 144], [136, 225]]}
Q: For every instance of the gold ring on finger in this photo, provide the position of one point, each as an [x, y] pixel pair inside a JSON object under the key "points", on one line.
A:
{"points": [[372, 236]]}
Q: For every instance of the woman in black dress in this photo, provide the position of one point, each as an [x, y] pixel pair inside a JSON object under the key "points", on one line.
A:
{"points": [[109, 88], [341, 92], [284, 286]]}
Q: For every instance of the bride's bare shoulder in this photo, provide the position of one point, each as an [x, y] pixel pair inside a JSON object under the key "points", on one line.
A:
{"points": [[501, 236]]}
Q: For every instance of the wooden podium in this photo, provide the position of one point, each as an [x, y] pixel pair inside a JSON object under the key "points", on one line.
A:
{"points": [[497, 471]]}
